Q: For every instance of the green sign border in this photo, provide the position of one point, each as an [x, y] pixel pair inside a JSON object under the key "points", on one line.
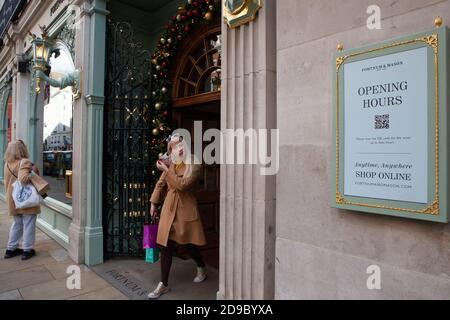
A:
{"points": [[438, 192]]}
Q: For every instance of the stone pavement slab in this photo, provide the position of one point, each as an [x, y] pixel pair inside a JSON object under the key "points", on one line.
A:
{"points": [[108, 293], [57, 289], [59, 269], [23, 278], [16, 264], [11, 295], [44, 277]]}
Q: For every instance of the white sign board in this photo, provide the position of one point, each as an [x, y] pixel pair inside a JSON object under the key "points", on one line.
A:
{"points": [[386, 127]]}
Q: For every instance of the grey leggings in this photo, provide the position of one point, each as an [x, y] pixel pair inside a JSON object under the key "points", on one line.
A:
{"points": [[23, 225]]}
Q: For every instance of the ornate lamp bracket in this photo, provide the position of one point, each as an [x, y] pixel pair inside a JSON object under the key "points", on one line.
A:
{"points": [[72, 79], [43, 48]]}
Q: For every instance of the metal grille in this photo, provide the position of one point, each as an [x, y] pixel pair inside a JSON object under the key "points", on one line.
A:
{"points": [[127, 142]]}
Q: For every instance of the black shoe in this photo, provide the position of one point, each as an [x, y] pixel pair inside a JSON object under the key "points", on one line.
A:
{"points": [[13, 253], [26, 255]]}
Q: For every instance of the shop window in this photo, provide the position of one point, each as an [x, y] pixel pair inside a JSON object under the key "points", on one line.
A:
{"points": [[201, 74], [58, 121]]}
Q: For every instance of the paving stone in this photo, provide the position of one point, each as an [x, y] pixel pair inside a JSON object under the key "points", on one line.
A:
{"points": [[4, 237], [57, 289], [59, 269], [16, 264], [47, 245], [45, 276], [24, 278], [10, 295], [59, 255], [108, 293], [40, 236]]}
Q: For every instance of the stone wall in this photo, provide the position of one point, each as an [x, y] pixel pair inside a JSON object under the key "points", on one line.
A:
{"points": [[322, 252]]}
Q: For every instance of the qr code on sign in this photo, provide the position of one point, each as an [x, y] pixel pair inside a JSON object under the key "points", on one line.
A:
{"points": [[382, 122]]}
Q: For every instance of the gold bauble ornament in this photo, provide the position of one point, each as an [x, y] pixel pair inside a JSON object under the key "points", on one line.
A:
{"points": [[208, 16], [155, 132], [158, 106]]}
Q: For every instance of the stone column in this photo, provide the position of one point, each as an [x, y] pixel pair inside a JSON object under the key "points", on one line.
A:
{"points": [[80, 126], [86, 230], [21, 113], [95, 102], [247, 201]]}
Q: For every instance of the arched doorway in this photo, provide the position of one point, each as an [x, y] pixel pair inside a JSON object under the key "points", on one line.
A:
{"points": [[196, 98]]}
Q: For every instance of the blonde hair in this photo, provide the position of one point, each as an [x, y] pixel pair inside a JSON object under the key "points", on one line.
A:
{"points": [[16, 150]]}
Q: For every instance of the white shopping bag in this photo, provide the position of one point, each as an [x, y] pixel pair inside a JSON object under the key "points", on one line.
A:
{"points": [[25, 195]]}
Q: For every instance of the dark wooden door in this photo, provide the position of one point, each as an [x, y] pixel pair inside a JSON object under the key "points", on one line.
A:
{"points": [[208, 190]]}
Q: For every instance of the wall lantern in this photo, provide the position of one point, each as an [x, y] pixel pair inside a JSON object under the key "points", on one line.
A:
{"points": [[43, 48]]}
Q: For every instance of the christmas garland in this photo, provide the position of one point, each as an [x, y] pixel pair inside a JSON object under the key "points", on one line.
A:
{"points": [[190, 15]]}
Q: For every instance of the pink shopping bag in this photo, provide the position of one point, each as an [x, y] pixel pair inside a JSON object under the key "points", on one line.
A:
{"points": [[150, 234]]}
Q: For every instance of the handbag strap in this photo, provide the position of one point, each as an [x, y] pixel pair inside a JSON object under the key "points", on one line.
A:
{"points": [[11, 170], [20, 165], [154, 220]]}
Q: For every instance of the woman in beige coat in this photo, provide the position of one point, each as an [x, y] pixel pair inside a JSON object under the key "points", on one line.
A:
{"points": [[180, 222], [17, 166]]}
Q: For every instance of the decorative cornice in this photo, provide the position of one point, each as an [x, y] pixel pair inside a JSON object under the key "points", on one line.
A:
{"points": [[95, 100], [30, 14], [97, 10]]}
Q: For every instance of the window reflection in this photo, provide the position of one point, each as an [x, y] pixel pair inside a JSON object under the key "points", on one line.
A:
{"points": [[58, 134]]}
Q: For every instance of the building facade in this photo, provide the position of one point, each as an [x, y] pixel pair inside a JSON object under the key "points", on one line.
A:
{"points": [[271, 237]]}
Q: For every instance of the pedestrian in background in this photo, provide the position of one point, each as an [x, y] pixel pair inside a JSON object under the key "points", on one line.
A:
{"points": [[19, 167]]}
